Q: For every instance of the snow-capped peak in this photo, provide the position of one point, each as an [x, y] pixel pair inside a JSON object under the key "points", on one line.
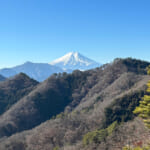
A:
{"points": [[74, 60]]}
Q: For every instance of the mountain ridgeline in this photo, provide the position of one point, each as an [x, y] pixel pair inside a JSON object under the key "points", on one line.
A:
{"points": [[82, 110]]}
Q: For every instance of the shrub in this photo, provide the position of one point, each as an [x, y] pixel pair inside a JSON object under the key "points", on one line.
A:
{"points": [[137, 148], [99, 136]]}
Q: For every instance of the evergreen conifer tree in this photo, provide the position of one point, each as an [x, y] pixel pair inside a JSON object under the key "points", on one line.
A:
{"points": [[143, 110]]}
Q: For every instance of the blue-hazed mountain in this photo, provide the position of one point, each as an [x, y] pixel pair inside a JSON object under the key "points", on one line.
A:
{"points": [[2, 78], [38, 71], [75, 60], [8, 72]]}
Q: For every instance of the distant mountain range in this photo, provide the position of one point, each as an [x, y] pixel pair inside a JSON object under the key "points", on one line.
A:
{"points": [[41, 71], [37, 71]]}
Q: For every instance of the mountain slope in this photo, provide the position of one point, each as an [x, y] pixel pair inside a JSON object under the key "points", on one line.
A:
{"points": [[2, 78], [75, 60], [8, 72], [88, 94], [45, 101], [13, 89], [38, 71]]}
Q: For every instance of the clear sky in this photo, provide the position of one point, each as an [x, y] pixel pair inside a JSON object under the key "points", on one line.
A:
{"points": [[43, 30]]}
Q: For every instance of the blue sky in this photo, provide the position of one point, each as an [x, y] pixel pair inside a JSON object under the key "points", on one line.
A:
{"points": [[43, 30]]}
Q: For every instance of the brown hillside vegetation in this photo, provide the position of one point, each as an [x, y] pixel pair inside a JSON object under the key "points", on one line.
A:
{"points": [[87, 111]]}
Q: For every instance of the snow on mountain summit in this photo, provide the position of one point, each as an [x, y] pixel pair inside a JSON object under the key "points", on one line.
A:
{"points": [[74, 60]]}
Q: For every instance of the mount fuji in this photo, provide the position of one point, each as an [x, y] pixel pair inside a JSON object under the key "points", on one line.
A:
{"points": [[73, 61]]}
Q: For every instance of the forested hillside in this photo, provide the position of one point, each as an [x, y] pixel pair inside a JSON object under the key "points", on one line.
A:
{"points": [[13, 89], [91, 110]]}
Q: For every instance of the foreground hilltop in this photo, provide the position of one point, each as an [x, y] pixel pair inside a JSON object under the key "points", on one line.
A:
{"points": [[67, 110], [13, 89]]}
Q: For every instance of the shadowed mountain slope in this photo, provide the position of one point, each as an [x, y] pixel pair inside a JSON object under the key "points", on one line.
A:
{"points": [[12, 90], [45, 101]]}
